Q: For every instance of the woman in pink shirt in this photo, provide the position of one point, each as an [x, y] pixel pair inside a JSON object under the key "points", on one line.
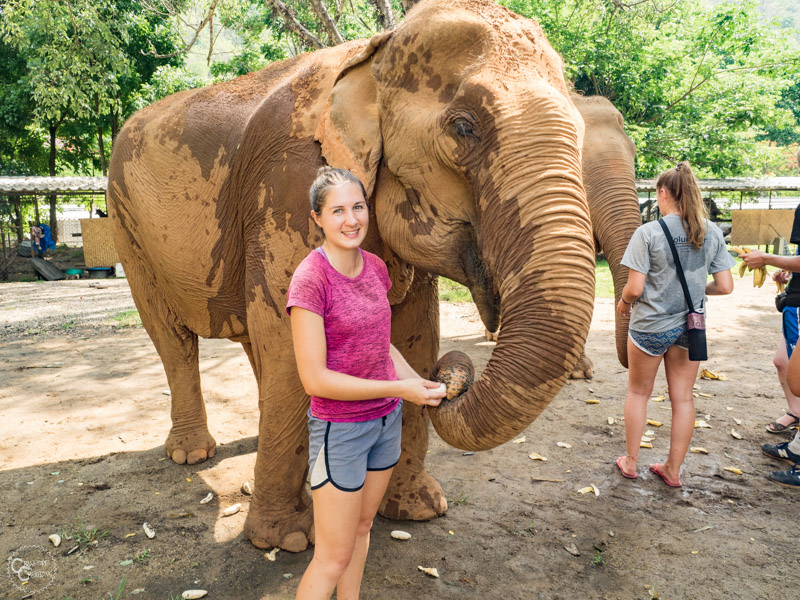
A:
{"points": [[341, 326]]}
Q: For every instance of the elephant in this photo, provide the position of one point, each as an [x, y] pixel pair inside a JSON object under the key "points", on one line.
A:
{"points": [[460, 125], [609, 177]]}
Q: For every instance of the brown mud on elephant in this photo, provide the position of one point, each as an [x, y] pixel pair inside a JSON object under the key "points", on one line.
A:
{"points": [[460, 125]]}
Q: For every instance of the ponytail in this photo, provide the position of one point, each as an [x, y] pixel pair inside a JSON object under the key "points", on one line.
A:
{"points": [[682, 185]]}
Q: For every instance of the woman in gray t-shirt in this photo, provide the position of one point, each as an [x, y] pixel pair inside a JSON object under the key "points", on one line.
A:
{"points": [[654, 300]]}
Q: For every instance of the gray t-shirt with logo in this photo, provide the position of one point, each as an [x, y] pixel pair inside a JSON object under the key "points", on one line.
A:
{"points": [[662, 305]]}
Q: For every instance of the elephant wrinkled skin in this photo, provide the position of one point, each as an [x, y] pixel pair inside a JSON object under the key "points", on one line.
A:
{"points": [[609, 177], [460, 125]]}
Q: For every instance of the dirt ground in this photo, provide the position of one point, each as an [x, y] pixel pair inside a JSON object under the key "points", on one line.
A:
{"points": [[85, 415]]}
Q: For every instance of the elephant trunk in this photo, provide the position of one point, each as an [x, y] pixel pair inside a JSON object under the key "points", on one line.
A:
{"points": [[535, 238], [614, 206]]}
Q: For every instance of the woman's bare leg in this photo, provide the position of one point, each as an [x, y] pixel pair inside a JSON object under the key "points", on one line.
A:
{"points": [[781, 362], [642, 369], [681, 375], [349, 583], [336, 521]]}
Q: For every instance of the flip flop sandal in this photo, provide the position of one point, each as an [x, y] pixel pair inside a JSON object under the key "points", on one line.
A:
{"points": [[624, 474], [656, 468], [776, 427]]}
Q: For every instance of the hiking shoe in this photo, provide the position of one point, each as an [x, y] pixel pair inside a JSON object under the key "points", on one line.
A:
{"points": [[790, 478], [781, 452]]}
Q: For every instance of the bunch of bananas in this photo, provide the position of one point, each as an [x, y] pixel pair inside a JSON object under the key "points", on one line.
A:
{"points": [[759, 274]]}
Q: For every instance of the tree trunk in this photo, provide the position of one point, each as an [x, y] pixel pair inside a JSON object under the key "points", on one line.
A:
{"points": [[330, 28], [114, 123], [407, 4], [387, 16], [18, 216], [53, 197], [101, 147]]}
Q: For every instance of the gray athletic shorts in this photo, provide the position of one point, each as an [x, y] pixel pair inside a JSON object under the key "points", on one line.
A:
{"points": [[342, 453]]}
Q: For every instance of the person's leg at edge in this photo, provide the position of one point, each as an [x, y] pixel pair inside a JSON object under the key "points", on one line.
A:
{"points": [[781, 362], [681, 375], [642, 369], [336, 521], [349, 584]]}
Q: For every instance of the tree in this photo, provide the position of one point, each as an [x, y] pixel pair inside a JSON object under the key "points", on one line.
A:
{"points": [[74, 59], [293, 26], [693, 82], [72, 72], [21, 146]]}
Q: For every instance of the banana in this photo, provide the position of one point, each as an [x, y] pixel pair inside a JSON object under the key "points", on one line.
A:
{"points": [[760, 276], [742, 269], [781, 286], [738, 250]]}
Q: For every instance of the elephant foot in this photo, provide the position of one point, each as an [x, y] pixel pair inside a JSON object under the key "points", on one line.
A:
{"points": [[190, 448], [413, 497], [292, 531], [584, 368]]}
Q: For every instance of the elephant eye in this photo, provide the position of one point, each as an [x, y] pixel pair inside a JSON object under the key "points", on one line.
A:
{"points": [[464, 128]]}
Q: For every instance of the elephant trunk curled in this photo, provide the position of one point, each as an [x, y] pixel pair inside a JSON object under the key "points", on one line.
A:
{"points": [[536, 238]]}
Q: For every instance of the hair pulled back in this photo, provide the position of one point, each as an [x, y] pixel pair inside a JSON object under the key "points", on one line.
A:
{"points": [[682, 185], [328, 178]]}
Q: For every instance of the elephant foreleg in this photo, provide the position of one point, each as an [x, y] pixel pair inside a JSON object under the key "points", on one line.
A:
{"points": [[412, 492], [584, 368], [280, 511], [189, 440]]}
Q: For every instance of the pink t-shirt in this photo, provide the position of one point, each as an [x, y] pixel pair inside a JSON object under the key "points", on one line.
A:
{"points": [[358, 323]]}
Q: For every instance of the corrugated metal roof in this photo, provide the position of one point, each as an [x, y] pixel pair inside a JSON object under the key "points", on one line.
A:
{"points": [[734, 184], [49, 185]]}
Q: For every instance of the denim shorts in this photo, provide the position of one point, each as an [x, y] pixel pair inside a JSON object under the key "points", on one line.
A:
{"points": [[791, 316], [656, 344], [342, 453]]}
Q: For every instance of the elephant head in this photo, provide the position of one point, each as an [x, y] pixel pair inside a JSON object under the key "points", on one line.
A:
{"points": [[610, 181], [461, 127]]}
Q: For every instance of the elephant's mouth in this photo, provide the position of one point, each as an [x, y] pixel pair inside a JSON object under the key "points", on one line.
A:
{"points": [[486, 297]]}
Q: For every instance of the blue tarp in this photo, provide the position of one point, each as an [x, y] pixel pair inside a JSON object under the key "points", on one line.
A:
{"points": [[47, 239]]}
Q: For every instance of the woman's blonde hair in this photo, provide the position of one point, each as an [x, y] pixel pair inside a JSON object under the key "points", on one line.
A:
{"points": [[682, 185], [328, 178]]}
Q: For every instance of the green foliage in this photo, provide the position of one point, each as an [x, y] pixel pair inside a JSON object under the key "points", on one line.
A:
{"points": [[74, 54], [603, 280], [127, 318], [692, 81], [78, 69], [450, 291], [85, 536]]}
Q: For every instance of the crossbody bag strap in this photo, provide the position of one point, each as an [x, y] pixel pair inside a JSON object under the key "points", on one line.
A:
{"points": [[678, 265]]}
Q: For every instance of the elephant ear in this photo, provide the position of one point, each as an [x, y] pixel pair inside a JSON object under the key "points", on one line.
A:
{"points": [[349, 127]]}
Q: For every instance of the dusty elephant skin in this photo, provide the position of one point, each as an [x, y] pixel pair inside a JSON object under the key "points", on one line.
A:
{"points": [[460, 125]]}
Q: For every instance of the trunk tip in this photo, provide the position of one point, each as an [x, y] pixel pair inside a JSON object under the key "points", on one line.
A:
{"points": [[456, 371]]}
